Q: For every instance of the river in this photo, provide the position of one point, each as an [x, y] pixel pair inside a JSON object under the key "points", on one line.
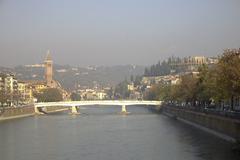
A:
{"points": [[100, 133]]}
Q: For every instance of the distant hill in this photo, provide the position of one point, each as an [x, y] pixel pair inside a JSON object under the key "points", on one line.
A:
{"points": [[6, 70], [70, 76]]}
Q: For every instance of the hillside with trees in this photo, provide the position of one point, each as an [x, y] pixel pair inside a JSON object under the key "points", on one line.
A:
{"points": [[217, 85], [71, 77]]}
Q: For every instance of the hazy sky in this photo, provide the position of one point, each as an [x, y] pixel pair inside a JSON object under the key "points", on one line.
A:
{"points": [[108, 32]]}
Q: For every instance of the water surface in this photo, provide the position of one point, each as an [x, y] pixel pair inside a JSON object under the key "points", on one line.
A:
{"points": [[100, 133]]}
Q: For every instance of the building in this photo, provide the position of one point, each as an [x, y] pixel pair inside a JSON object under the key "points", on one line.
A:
{"points": [[101, 95], [23, 91], [26, 92], [191, 63], [92, 94], [11, 84], [37, 86], [168, 79], [131, 87], [9, 88], [198, 60]]}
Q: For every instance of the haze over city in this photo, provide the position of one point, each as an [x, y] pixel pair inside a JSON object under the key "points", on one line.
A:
{"points": [[112, 32], [119, 79]]}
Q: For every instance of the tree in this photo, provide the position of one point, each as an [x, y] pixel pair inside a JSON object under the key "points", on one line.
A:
{"points": [[188, 88], [121, 90], [205, 85], [161, 68], [3, 97], [228, 70], [153, 93], [218, 83], [110, 93], [137, 80], [208, 89], [164, 92], [75, 97], [131, 78], [49, 95]]}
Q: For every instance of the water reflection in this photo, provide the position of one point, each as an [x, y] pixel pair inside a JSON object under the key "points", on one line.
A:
{"points": [[101, 133]]}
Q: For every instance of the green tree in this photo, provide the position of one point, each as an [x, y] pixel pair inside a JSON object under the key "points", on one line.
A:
{"points": [[121, 90], [205, 85], [110, 93], [131, 78], [49, 95], [228, 79], [165, 92], [152, 93], [75, 97], [3, 97], [137, 80], [188, 88]]}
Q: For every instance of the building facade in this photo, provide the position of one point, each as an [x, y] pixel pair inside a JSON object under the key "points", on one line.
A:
{"points": [[9, 89]]}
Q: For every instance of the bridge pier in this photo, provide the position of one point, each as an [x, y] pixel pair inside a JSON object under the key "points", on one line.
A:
{"points": [[74, 110], [40, 110], [36, 110], [124, 110]]}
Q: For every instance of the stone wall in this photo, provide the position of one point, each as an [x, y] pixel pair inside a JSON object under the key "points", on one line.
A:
{"points": [[10, 113], [223, 125]]}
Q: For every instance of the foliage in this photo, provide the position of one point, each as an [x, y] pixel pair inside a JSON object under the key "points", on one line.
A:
{"points": [[3, 97], [214, 84], [49, 95], [153, 93], [159, 69], [137, 80], [165, 67], [75, 97], [110, 93], [228, 70], [121, 90]]}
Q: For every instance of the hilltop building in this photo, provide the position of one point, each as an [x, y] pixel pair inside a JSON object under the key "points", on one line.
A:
{"points": [[191, 63]]}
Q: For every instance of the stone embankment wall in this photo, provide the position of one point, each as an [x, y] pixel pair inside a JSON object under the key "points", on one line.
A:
{"points": [[18, 112], [223, 127]]}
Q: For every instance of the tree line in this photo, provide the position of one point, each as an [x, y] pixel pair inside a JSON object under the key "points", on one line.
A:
{"points": [[218, 84], [159, 69], [172, 64]]}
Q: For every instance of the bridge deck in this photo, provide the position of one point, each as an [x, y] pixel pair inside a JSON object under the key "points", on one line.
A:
{"points": [[105, 102]]}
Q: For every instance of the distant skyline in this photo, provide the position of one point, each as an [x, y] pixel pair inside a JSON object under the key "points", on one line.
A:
{"points": [[115, 32]]}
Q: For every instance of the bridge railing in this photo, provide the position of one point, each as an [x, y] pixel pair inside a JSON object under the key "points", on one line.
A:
{"points": [[104, 102]]}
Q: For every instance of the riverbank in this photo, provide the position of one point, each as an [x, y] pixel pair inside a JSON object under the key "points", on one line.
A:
{"points": [[26, 111], [18, 112], [225, 128]]}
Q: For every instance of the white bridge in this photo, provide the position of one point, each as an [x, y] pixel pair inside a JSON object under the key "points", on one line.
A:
{"points": [[75, 105]]}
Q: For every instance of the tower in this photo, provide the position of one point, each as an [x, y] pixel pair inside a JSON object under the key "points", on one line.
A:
{"points": [[48, 64]]}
